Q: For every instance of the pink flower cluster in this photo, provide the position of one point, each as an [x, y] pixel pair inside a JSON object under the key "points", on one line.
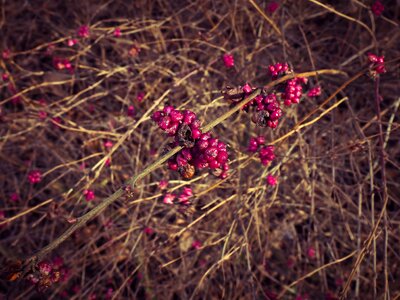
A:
{"points": [[34, 176], [377, 8], [182, 199], [377, 64], [229, 61], [278, 69]]}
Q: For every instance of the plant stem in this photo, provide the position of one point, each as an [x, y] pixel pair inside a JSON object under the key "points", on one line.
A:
{"points": [[81, 221]]}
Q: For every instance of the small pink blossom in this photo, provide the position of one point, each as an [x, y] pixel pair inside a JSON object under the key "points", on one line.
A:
{"points": [[140, 97], [272, 7], [272, 180], [14, 197], [72, 42], [108, 162], [311, 252], [228, 60], [163, 184], [117, 32], [131, 111], [187, 191], [42, 115], [196, 244], [5, 77], [6, 54], [34, 176], [148, 231], [108, 144], [89, 195], [169, 198], [84, 31]]}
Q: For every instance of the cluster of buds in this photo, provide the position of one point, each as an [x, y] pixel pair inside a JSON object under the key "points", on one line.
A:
{"points": [[63, 64], [377, 65], [44, 276], [182, 199], [377, 8]]}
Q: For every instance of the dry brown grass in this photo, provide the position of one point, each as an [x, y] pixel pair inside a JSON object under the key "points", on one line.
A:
{"points": [[255, 238]]}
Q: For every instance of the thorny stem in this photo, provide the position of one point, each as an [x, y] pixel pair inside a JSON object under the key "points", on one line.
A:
{"points": [[81, 221]]}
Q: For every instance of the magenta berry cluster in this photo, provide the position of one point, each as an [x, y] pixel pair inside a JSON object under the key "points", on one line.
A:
{"points": [[44, 277], [278, 69], [181, 124], [200, 151], [229, 61], [255, 143], [314, 92], [266, 153], [208, 152], [377, 8], [34, 176], [294, 90], [377, 64]]}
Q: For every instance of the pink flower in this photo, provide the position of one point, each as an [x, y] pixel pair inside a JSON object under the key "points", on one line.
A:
{"points": [[140, 97], [14, 197], [72, 42], [4, 77], [377, 8], [89, 195], [131, 111], [311, 252], [117, 32], [6, 54], [163, 184], [271, 180], [228, 60], [272, 7], [148, 231], [108, 144], [42, 115], [196, 244], [108, 162], [169, 198], [34, 176], [84, 31]]}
